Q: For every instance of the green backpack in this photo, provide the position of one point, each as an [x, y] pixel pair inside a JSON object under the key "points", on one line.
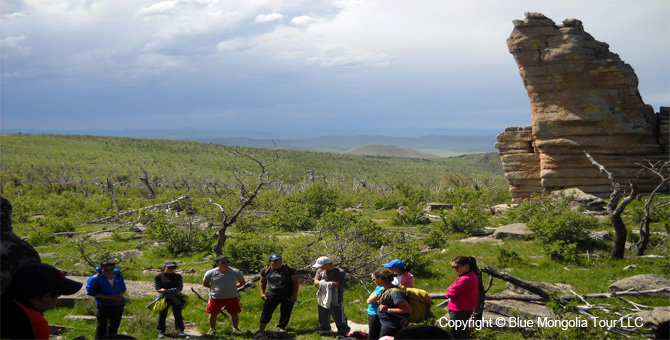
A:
{"points": [[420, 301]]}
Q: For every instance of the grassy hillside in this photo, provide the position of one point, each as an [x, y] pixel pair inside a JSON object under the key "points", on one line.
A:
{"points": [[100, 157]]}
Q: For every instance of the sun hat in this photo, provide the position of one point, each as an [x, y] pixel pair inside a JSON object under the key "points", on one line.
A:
{"points": [[321, 261], [395, 264], [37, 279], [274, 257]]}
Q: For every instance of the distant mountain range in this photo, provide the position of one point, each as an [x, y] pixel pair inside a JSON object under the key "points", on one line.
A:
{"points": [[459, 143], [442, 146], [387, 151]]}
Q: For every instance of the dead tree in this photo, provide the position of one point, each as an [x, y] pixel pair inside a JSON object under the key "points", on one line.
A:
{"points": [[660, 169], [246, 196], [146, 182], [615, 208], [110, 187], [81, 184]]}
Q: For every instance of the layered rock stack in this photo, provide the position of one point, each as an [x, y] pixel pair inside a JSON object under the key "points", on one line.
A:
{"points": [[583, 98]]}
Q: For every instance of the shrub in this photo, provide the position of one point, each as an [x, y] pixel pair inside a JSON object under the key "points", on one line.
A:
{"points": [[436, 235], [470, 220], [508, 258], [318, 199], [412, 215], [248, 252], [292, 217], [179, 239]]}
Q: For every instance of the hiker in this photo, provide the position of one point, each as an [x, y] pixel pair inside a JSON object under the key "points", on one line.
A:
{"points": [[223, 282], [283, 284], [169, 284], [393, 308], [403, 278], [33, 289], [330, 297], [374, 326], [108, 288], [463, 294]]}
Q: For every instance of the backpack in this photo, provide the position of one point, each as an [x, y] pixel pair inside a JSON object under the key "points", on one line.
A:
{"points": [[420, 301], [284, 267]]}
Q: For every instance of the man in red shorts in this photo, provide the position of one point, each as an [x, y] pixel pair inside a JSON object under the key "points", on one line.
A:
{"points": [[223, 282]]}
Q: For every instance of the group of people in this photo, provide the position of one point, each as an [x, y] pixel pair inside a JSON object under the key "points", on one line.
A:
{"points": [[35, 288]]}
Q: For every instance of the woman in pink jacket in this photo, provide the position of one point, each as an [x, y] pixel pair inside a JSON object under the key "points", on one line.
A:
{"points": [[463, 294]]}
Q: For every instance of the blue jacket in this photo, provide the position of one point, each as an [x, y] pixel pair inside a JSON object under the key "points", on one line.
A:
{"points": [[98, 284]]}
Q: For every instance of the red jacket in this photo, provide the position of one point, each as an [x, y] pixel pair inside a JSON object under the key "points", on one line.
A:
{"points": [[464, 293]]}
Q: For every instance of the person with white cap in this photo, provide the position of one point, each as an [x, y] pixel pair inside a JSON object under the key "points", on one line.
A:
{"points": [[330, 296], [169, 284], [33, 289], [282, 286], [403, 278]]}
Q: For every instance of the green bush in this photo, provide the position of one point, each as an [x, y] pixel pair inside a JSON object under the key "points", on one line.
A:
{"points": [[318, 199], [470, 220], [293, 217], [41, 237], [248, 252], [508, 258], [436, 235], [412, 215], [562, 251], [179, 239]]}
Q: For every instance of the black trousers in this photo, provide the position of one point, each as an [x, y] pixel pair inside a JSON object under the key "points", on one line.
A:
{"points": [[109, 320], [374, 327], [271, 304], [178, 318], [462, 332]]}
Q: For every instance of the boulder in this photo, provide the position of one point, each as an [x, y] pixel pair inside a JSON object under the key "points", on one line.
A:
{"points": [[653, 318], [642, 282], [515, 308], [437, 206], [515, 231], [579, 198]]}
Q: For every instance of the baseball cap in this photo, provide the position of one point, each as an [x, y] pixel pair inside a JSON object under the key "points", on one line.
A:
{"points": [[321, 261], [169, 264], [40, 278], [274, 257], [395, 264]]}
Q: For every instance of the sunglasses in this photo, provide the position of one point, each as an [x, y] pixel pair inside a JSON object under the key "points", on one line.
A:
{"points": [[224, 262], [108, 270], [456, 267]]}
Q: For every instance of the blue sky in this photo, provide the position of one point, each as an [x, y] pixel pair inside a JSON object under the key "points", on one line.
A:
{"points": [[385, 67]]}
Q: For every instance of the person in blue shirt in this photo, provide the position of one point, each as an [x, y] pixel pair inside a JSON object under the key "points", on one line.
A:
{"points": [[374, 325], [108, 288]]}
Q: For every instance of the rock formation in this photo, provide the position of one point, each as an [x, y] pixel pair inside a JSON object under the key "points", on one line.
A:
{"points": [[14, 252], [583, 98]]}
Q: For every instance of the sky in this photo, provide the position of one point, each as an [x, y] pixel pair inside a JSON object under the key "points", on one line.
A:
{"points": [[347, 67]]}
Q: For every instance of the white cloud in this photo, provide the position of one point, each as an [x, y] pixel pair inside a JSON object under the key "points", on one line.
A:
{"points": [[161, 8], [302, 20], [12, 42], [261, 18], [348, 57]]}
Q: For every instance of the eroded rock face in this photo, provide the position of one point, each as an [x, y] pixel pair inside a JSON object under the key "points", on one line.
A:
{"points": [[14, 252], [583, 98]]}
